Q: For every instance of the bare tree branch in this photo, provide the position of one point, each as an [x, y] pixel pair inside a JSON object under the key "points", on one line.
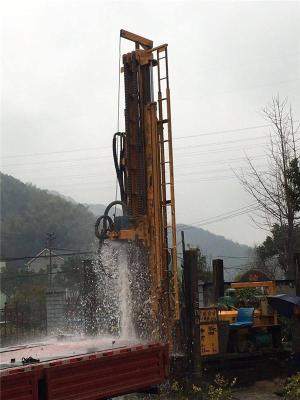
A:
{"points": [[274, 189]]}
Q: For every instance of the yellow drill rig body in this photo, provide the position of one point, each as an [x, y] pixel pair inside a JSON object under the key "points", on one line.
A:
{"points": [[143, 158]]}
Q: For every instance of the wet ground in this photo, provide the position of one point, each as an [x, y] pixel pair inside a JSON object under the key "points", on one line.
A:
{"points": [[54, 348], [262, 390]]}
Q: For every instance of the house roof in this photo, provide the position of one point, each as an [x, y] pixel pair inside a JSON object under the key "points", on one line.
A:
{"points": [[45, 255]]}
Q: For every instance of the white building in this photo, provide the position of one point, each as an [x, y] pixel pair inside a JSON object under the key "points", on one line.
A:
{"points": [[41, 262]]}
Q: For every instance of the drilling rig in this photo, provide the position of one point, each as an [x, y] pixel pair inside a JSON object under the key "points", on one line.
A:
{"points": [[143, 159]]}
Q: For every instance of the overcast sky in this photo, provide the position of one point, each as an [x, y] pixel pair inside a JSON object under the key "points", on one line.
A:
{"points": [[226, 61]]}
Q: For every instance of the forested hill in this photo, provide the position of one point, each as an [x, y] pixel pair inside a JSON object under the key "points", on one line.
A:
{"points": [[236, 256], [28, 213]]}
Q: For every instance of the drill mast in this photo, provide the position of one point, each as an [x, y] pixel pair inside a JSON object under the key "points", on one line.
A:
{"points": [[144, 167]]}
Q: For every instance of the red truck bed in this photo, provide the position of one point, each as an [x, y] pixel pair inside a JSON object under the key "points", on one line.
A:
{"points": [[91, 374]]}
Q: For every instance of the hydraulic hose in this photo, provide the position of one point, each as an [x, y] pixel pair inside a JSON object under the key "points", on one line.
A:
{"points": [[103, 234], [107, 220], [119, 168], [115, 203]]}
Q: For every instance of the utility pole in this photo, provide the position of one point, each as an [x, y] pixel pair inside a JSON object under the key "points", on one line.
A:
{"points": [[297, 274], [218, 279], [50, 239], [183, 243], [192, 324]]}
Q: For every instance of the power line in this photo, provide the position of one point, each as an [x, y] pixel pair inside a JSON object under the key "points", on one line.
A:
{"points": [[57, 152], [226, 213], [57, 161], [221, 143], [188, 173], [218, 132], [108, 156], [110, 184], [219, 161], [235, 257], [254, 87], [33, 275], [94, 148], [212, 171], [8, 259], [193, 174], [228, 217], [220, 217], [184, 165], [208, 179], [99, 159], [212, 151], [223, 131]]}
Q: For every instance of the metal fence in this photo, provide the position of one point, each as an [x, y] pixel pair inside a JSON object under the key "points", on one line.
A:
{"points": [[21, 321]]}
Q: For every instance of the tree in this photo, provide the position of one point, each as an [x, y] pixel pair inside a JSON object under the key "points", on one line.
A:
{"points": [[277, 190], [71, 274], [269, 256], [19, 282], [204, 274]]}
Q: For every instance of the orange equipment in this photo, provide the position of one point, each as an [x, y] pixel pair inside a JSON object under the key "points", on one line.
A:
{"points": [[144, 167], [263, 315]]}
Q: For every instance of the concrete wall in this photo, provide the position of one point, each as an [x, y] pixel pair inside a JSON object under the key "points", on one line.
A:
{"points": [[55, 305]]}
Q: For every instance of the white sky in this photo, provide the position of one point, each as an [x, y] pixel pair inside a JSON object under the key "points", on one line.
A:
{"points": [[226, 61]]}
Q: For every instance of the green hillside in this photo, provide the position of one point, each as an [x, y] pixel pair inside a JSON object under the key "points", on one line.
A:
{"points": [[28, 213], [236, 256]]}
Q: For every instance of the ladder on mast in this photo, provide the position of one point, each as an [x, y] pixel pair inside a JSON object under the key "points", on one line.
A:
{"points": [[167, 169]]}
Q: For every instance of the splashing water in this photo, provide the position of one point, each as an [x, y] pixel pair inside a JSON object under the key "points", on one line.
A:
{"points": [[122, 291], [127, 330]]}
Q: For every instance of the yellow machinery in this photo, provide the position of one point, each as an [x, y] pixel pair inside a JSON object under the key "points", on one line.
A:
{"points": [[209, 333], [217, 337], [143, 158], [263, 315], [265, 330]]}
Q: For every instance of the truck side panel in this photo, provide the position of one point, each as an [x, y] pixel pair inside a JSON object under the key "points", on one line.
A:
{"points": [[22, 386], [107, 376]]}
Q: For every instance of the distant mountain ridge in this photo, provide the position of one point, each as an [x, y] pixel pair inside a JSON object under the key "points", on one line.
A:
{"points": [[28, 213], [236, 256], [98, 209]]}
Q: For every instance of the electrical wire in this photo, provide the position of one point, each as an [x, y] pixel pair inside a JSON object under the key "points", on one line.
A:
{"points": [[221, 143], [223, 131], [118, 118], [8, 259], [189, 173], [226, 148], [220, 217], [226, 213], [228, 217], [34, 275], [218, 132]]}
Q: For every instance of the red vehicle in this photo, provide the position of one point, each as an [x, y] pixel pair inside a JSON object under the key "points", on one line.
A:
{"points": [[90, 374]]}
